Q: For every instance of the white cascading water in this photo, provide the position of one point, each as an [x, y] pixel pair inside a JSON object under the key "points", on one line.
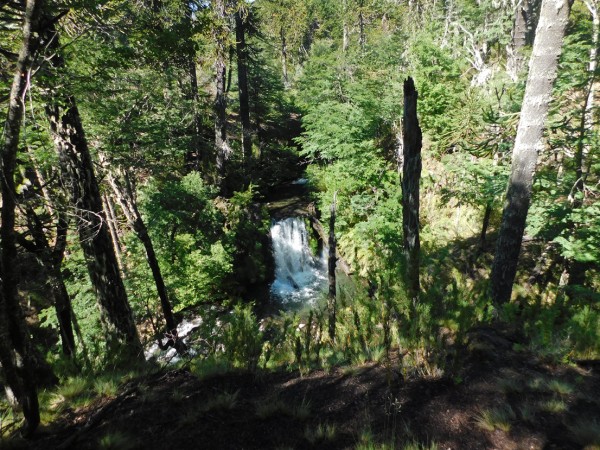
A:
{"points": [[299, 276]]}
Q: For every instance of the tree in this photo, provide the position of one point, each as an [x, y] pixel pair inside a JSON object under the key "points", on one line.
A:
{"points": [[124, 191], [222, 149], [16, 356], [411, 175], [543, 67], [331, 265], [522, 35], [241, 18], [79, 179]]}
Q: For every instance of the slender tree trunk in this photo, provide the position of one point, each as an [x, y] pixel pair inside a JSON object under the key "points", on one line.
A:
{"points": [[523, 34], [587, 117], [242, 60], [410, 188], [514, 63], [484, 227], [362, 39], [230, 65], [345, 30], [284, 57], [197, 155], [542, 73], [78, 176], [331, 264], [16, 355], [221, 146], [124, 192], [51, 259], [111, 220], [576, 270]]}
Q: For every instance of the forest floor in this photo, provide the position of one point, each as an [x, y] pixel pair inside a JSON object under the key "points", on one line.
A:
{"points": [[501, 398]]}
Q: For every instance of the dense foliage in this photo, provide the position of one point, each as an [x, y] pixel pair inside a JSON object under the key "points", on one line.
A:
{"points": [[325, 99]]}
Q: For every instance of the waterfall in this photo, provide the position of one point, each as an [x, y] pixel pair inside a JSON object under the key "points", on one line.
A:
{"points": [[299, 276]]}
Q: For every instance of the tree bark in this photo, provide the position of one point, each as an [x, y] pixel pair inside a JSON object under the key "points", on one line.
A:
{"points": [[576, 270], [587, 117], [331, 265], [284, 57], [242, 61], [222, 148], [523, 34], [485, 225], [16, 355], [124, 192], [411, 175], [111, 220], [362, 39], [77, 172], [542, 73], [51, 259], [197, 155]]}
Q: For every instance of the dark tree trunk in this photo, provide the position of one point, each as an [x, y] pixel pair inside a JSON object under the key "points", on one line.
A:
{"points": [[576, 269], [51, 259], [198, 157], [111, 220], [411, 175], [16, 355], [230, 65], [242, 62], [284, 57], [484, 227], [331, 264], [78, 177], [362, 39], [124, 192], [538, 94], [523, 34], [221, 146]]}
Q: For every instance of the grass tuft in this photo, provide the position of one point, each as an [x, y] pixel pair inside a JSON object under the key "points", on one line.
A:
{"points": [[560, 387], [116, 441], [495, 418], [225, 401], [107, 387], [554, 406], [322, 433], [528, 412]]}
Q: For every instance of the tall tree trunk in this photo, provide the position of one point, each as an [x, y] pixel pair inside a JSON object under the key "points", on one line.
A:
{"points": [[125, 194], [242, 62], [575, 271], [523, 34], [587, 117], [16, 356], [542, 73], [484, 227], [514, 63], [111, 221], [362, 39], [284, 57], [51, 258], [221, 146], [78, 177], [345, 30], [331, 264], [411, 172], [198, 157]]}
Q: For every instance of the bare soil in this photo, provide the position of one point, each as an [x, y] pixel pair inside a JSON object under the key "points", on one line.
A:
{"points": [[373, 404]]}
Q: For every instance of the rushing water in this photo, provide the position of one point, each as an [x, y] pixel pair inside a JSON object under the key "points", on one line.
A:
{"points": [[299, 276]]}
